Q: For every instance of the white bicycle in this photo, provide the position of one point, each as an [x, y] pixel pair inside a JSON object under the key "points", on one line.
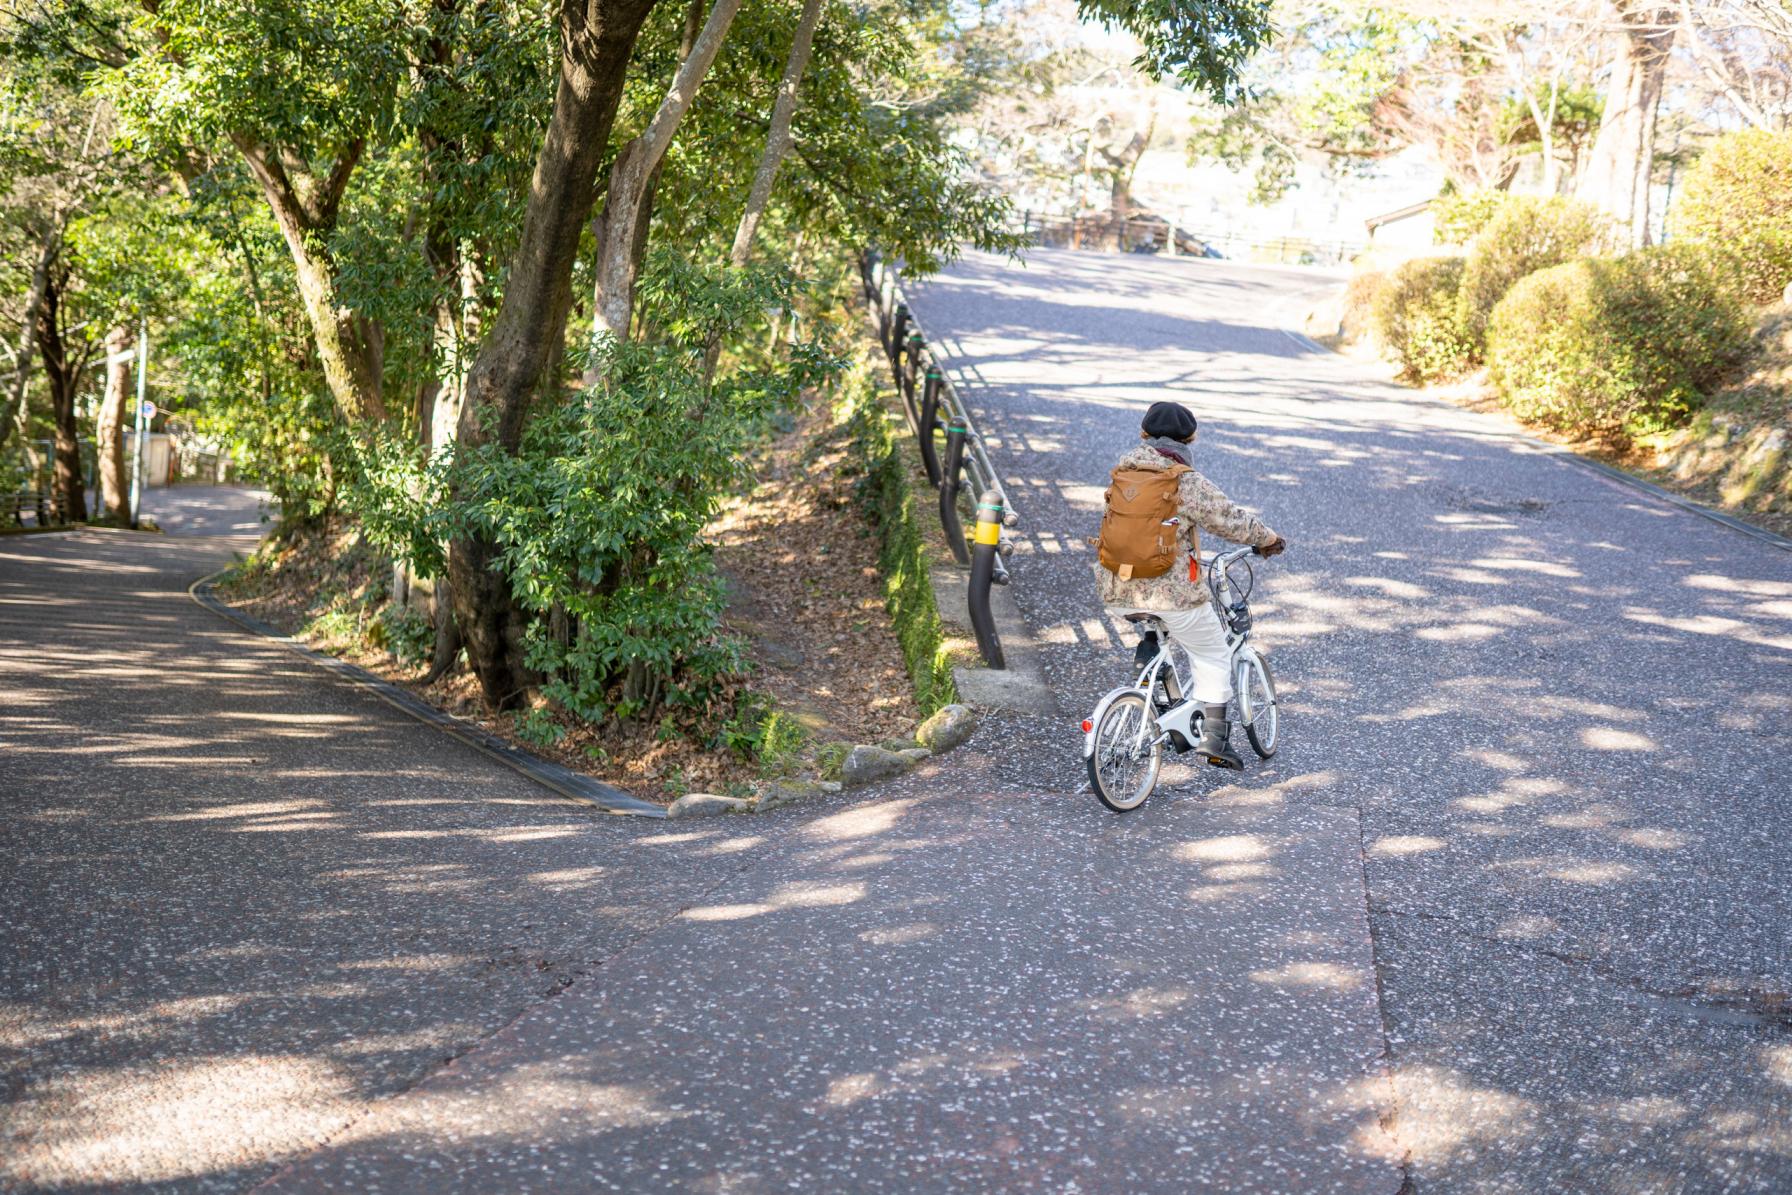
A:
{"points": [[1123, 740]]}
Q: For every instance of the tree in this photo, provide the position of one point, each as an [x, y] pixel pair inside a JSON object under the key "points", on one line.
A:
{"points": [[1623, 156]]}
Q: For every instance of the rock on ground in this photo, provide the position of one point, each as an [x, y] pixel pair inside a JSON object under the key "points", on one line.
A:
{"points": [[866, 764], [706, 805], [949, 727]]}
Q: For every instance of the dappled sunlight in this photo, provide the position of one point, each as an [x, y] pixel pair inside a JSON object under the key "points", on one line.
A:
{"points": [[1231, 848], [1312, 975], [1609, 738], [167, 1124], [900, 935], [789, 896], [1442, 1113], [862, 822], [1141, 1003], [1405, 844]]}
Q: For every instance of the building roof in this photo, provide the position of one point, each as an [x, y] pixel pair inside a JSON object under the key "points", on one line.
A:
{"points": [[1404, 213]]}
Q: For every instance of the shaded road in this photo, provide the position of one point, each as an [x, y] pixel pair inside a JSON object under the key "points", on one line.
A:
{"points": [[1561, 708], [255, 927]]}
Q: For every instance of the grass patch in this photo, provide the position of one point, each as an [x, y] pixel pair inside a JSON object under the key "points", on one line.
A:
{"points": [[882, 455]]}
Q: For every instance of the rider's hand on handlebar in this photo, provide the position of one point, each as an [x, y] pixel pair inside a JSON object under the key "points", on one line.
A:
{"points": [[1274, 548]]}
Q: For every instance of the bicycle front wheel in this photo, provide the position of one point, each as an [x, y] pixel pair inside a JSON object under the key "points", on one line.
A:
{"points": [[1257, 704], [1123, 766]]}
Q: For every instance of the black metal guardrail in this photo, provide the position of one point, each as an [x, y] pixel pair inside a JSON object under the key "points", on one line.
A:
{"points": [[959, 468]]}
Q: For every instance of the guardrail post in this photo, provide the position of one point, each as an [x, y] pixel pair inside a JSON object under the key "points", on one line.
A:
{"points": [[898, 330], [949, 483], [911, 364], [930, 413], [983, 571]]}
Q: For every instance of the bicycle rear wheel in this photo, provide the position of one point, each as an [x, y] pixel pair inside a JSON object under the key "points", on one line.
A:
{"points": [[1257, 707], [1123, 766]]}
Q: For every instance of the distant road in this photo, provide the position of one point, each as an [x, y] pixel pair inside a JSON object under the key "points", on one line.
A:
{"points": [[1561, 707]]}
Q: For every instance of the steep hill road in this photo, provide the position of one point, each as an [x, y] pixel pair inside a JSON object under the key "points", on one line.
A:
{"points": [[1561, 707]]}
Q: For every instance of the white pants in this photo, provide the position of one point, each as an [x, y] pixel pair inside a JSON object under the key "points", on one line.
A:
{"points": [[1199, 633]]}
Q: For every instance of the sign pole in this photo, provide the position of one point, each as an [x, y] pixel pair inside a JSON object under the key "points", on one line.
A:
{"points": [[142, 423]]}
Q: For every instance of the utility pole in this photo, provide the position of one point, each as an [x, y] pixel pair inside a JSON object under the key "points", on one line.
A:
{"points": [[142, 423]]}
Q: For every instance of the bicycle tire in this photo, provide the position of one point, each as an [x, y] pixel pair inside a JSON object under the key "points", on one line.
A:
{"points": [[1263, 735], [1120, 721]]}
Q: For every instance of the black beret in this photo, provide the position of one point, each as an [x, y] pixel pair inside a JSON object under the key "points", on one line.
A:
{"points": [[1171, 420]]}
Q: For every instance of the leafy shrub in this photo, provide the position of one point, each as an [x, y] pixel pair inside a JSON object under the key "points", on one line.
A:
{"points": [[599, 514], [1460, 215], [1738, 199], [1616, 347], [1525, 234], [1356, 317], [405, 632], [1415, 317]]}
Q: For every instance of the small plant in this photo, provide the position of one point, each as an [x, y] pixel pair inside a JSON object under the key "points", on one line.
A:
{"points": [[539, 726], [830, 758], [335, 629], [405, 632], [781, 740], [676, 783]]}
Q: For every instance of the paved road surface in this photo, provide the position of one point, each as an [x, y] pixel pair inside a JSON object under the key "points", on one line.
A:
{"points": [[256, 926], [1561, 709], [1535, 743]]}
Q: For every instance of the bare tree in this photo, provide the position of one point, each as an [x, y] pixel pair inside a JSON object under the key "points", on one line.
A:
{"points": [[1742, 50]]}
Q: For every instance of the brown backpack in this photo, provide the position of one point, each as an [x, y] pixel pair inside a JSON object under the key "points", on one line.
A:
{"points": [[1138, 534]]}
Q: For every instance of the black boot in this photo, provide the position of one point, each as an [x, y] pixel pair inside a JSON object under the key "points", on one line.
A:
{"points": [[1215, 733]]}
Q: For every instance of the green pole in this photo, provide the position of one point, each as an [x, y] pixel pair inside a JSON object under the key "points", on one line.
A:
{"points": [[142, 423]]}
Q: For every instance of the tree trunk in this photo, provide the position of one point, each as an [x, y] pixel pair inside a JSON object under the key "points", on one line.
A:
{"points": [[34, 298], [63, 375], [304, 208], [777, 146], [777, 138], [1618, 170], [109, 430], [528, 337], [626, 200]]}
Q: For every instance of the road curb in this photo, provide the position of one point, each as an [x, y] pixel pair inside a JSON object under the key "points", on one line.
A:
{"points": [[556, 778]]}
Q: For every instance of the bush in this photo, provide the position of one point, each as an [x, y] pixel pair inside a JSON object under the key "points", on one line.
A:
{"points": [[599, 514], [1526, 234], [1459, 216], [1415, 317], [1738, 199], [1356, 318], [1616, 347]]}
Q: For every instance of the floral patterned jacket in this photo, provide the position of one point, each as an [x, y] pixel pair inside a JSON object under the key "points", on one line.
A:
{"points": [[1202, 508]]}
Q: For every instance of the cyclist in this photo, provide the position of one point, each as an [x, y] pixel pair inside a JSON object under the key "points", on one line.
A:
{"points": [[1178, 597]]}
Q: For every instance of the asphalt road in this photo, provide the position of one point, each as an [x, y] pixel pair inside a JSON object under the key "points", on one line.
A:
{"points": [[258, 929], [1561, 709]]}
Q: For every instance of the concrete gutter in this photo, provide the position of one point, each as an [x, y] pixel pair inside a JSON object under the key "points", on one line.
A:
{"points": [[556, 778]]}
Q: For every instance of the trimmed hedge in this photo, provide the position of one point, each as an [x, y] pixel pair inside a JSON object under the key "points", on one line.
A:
{"points": [[883, 456], [1738, 199], [1616, 347], [1415, 317], [1457, 218], [1525, 234]]}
